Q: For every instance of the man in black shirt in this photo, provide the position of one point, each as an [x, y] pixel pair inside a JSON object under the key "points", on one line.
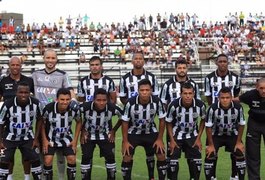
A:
{"points": [[8, 88], [255, 99]]}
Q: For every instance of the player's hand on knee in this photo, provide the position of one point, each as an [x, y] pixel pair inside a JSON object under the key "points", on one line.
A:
{"points": [[172, 146], [239, 146], [159, 145], [126, 148], [73, 144], [210, 151], [197, 144]]}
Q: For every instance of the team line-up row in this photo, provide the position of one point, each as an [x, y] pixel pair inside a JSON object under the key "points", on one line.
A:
{"points": [[178, 107]]}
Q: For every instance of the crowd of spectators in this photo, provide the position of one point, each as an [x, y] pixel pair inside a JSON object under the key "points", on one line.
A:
{"points": [[241, 37]]}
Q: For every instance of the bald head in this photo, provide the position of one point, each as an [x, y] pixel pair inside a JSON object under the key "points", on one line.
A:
{"points": [[261, 87], [15, 66], [14, 59]]}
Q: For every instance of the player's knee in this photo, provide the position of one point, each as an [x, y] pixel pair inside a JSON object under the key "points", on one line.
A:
{"points": [[161, 157], [48, 160], [127, 158], [71, 159], [238, 154]]}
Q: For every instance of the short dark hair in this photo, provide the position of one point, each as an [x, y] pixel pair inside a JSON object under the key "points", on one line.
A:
{"points": [[94, 58], [23, 83], [138, 52], [100, 91], [225, 90], [144, 82], [222, 55], [186, 85], [64, 91], [181, 61]]}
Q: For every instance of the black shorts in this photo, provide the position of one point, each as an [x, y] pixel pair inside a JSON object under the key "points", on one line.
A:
{"points": [[25, 147], [66, 151], [228, 142], [145, 140], [107, 149], [185, 145]]}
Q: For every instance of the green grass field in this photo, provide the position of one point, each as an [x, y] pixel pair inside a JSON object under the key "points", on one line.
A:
{"points": [[139, 166]]}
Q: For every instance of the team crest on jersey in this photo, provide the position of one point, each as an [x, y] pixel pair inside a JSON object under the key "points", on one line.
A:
{"points": [[15, 115], [137, 112], [215, 84], [195, 115], [131, 84], [54, 81], [152, 111], [230, 83], [104, 87], [255, 104], [31, 113]]}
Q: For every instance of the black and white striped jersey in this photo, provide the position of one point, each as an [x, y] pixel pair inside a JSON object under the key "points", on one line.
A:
{"points": [[18, 120], [185, 120], [171, 89], [141, 118], [58, 125], [99, 123], [213, 83], [129, 84], [225, 121], [87, 86]]}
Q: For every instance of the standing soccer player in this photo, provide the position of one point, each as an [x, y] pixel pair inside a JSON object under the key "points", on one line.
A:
{"points": [[139, 129], [97, 130], [224, 127], [47, 81], [89, 84], [184, 133], [57, 133], [17, 116], [171, 91], [129, 88], [215, 81]]}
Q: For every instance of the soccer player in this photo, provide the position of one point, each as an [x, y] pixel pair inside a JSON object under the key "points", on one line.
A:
{"points": [[57, 133], [185, 135], [224, 127], [95, 80], [8, 88], [171, 90], [216, 80], [47, 81], [139, 129], [256, 127], [129, 88], [17, 116], [97, 127]]}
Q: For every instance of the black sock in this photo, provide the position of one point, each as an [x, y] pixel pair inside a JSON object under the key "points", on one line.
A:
{"points": [[150, 162], [209, 166], [241, 168], [174, 168], [71, 171], [47, 172], [195, 168], [162, 169], [3, 170], [36, 170], [126, 169], [111, 170], [86, 168], [233, 165]]}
